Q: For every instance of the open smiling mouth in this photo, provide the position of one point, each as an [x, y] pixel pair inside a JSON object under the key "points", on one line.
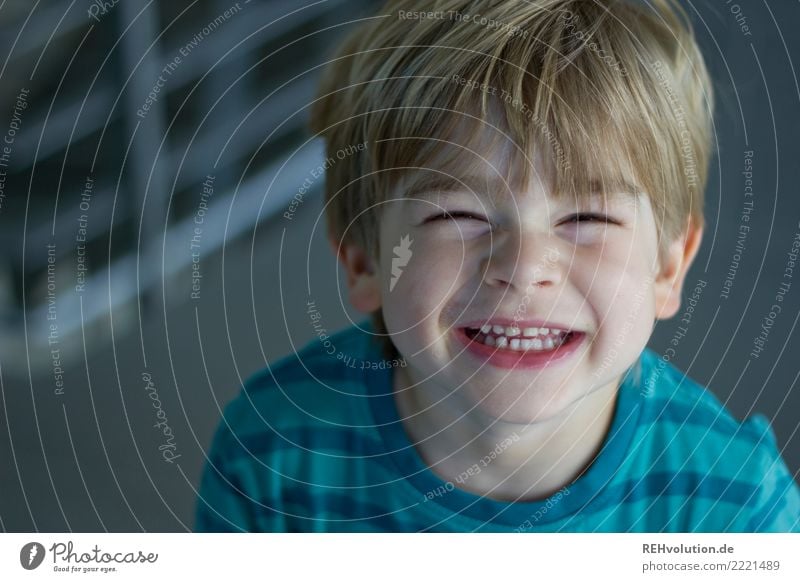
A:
{"points": [[523, 346]]}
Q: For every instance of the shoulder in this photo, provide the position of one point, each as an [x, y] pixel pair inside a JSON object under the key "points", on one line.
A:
{"points": [[296, 422], [314, 385], [317, 398], [701, 444], [674, 400]]}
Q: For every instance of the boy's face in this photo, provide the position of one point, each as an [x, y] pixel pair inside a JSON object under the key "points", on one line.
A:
{"points": [[519, 303]]}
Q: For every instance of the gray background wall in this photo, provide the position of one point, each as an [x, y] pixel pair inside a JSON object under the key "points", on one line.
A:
{"points": [[88, 459]]}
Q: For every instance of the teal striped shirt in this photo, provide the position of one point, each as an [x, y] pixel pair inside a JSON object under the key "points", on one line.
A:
{"points": [[314, 443]]}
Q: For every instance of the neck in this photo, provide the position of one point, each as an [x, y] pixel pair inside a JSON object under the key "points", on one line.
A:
{"points": [[497, 459]]}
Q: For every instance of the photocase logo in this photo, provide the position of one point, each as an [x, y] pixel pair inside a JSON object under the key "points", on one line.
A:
{"points": [[402, 254], [31, 555], [100, 8]]}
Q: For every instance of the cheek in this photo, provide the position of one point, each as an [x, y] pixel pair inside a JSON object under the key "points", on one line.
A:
{"points": [[413, 292], [425, 291], [626, 308], [618, 287], [428, 273]]}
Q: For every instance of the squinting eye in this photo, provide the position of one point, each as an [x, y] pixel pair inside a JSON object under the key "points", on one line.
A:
{"points": [[589, 217], [455, 215]]}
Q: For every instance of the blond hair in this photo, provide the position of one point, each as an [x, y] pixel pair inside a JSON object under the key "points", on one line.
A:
{"points": [[616, 90]]}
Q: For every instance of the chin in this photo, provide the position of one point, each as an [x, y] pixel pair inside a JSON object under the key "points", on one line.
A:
{"points": [[523, 408]]}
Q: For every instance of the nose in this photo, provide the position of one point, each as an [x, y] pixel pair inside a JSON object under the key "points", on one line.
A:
{"points": [[524, 259]]}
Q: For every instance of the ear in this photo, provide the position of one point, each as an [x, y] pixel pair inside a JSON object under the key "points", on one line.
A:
{"points": [[669, 281], [362, 276]]}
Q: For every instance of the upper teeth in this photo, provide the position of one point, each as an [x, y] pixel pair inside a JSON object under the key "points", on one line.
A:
{"points": [[512, 331]]}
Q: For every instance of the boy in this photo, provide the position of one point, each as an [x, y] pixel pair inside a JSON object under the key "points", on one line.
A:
{"points": [[516, 196]]}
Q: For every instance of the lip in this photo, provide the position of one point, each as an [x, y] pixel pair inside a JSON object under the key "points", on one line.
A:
{"points": [[504, 358]]}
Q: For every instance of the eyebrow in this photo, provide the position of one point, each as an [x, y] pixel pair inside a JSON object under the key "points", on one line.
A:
{"points": [[435, 185]]}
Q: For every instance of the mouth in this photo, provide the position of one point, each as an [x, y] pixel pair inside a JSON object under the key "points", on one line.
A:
{"points": [[525, 346]]}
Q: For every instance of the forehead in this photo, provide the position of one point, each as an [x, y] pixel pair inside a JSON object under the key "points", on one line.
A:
{"points": [[480, 159]]}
